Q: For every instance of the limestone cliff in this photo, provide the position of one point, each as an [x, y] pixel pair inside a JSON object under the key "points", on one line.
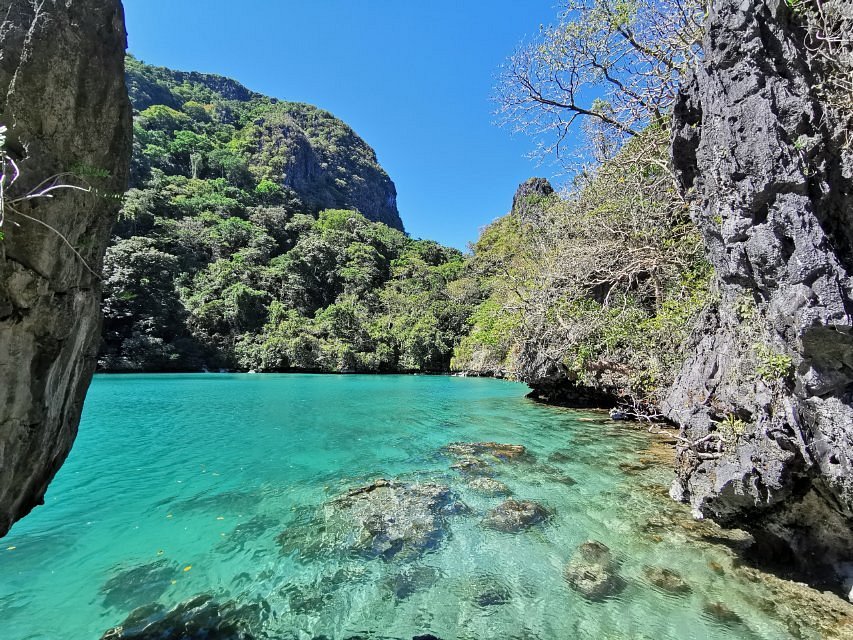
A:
{"points": [[63, 99], [766, 400], [304, 149]]}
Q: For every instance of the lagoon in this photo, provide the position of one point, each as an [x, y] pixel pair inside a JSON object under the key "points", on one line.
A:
{"points": [[220, 485]]}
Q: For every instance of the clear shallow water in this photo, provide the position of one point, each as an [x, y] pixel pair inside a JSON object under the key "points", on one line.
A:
{"points": [[180, 485]]}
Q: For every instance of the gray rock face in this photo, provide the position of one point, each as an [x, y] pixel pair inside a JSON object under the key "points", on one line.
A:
{"points": [[341, 173], [767, 396], [531, 199], [62, 96]]}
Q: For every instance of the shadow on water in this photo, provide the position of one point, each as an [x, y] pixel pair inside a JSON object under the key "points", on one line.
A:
{"points": [[130, 588]]}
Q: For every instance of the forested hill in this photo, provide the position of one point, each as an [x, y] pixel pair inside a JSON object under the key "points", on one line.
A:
{"points": [[260, 234], [205, 126]]}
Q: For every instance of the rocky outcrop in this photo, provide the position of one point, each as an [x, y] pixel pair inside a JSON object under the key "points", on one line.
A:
{"points": [[766, 400], [63, 99], [307, 150], [593, 571], [531, 200]]}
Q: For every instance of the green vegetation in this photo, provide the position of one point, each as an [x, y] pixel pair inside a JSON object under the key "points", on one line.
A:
{"points": [[238, 245], [601, 288], [231, 253], [772, 366]]}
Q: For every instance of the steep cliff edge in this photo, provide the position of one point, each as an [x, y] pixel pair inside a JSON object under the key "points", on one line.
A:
{"points": [[63, 99], [306, 150], [766, 399]]}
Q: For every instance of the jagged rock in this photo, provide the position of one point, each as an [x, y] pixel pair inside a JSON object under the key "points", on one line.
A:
{"points": [[389, 519], [200, 618], [593, 571], [531, 200], [666, 580], [756, 149], [63, 98], [513, 516]]}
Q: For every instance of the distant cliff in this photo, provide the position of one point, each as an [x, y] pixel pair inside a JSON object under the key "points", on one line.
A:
{"points": [[304, 149], [260, 234], [63, 99]]}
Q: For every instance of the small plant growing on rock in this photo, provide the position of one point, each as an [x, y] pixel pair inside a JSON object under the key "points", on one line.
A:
{"points": [[745, 308], [772, 366]]}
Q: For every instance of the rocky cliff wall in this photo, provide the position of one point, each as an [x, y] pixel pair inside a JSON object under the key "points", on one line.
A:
{"points": [[63, 99], [766, 400]]}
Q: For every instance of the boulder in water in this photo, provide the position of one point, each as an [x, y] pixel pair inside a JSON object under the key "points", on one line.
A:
{"points": [[489, 487], [513, 516], [390, 519], [593, 571], [483, 450], [200, 618], [666, 580]]}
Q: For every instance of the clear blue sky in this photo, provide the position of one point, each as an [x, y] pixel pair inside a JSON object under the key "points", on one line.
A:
{"points": [[414, 78]]}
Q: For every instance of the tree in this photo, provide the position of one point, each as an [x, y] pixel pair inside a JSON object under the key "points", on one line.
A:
{"points": [[612, 63]]}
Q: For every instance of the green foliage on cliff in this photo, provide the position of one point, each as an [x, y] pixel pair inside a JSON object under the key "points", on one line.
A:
{"points": [[238, 245], [600, 288]]}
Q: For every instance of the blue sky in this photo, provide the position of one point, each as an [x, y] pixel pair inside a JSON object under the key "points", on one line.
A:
{"points": [[414, 78]]}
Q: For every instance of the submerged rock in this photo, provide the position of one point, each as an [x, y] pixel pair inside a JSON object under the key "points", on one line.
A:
{"points": [[485, 450], [560, 457], [483, 458], [200, 618], [410, 580], [133, 587], [489, 487], [666, 580], [472, 467], [385, 519], [492, 596], [548, 473], [486, 590], [512, 516], [593, 571], [719, 612]]}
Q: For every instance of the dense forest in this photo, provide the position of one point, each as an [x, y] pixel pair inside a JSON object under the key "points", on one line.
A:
{"points": [[232, 252], [264, 235]]}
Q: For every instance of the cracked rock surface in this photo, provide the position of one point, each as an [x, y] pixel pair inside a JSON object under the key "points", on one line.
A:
{"points": [[767, 395], [63, 99]]}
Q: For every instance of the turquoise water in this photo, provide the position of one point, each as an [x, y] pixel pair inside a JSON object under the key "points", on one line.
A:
{"points": [[181, 485]]}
